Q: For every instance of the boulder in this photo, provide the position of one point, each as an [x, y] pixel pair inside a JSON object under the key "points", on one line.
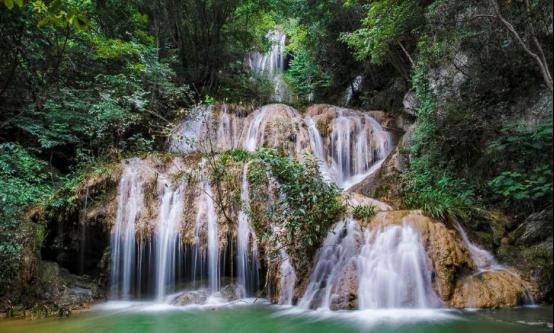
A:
{"points": [[490, 290], [231, 292], [197, 297]]}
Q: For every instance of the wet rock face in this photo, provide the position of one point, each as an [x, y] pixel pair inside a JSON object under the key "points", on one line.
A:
{"points": [[345, 295]]}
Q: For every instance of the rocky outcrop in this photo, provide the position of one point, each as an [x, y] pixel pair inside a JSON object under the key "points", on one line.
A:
{"points": [[55, 292], [456, 278], [384, 185], [411, 103], [529, 248], [488, 290], [345, 295]]}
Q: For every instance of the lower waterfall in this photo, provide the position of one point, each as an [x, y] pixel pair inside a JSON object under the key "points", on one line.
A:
{"points": [[394, 271], [389, 264], [167, 236], [123, 243], [338, 252], [247, 249]]}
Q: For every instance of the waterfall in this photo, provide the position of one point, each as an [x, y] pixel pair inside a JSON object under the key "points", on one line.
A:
{"points": [[355, 147], [192, 134], [272, 63], [483, 259], [256, 130], [338, 253], [318, 149], [354, 87], [228, 130], [206, 219], [393, 270], [351, 146], [130, 203], [247, 260], [288, 279], [167, 235]]}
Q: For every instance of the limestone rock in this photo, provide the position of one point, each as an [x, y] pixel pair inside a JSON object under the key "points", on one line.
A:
{"points": [[489, 290], [355, 199], [346, 293]]}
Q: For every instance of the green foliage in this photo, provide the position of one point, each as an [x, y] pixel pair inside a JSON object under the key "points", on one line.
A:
{"points": [[308, 207], [363, 212], [388, 23], [246, 87], [24, 181], [305, 76], [10, 3], [525, 153], [430, 184], [471, 106]]}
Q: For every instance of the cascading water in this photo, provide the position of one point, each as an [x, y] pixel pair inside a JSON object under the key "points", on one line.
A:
{"points": [[272, 63], [247, 250], [354, 87], [393, 270], [192, 134], [338, 253], [123, 242], [483, 259], [288, 278], [167, 236], [206, 219], [349, 145], [355, 147]]}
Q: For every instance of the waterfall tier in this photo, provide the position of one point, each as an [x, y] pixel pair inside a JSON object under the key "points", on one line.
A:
{"points": [[349, 145]]}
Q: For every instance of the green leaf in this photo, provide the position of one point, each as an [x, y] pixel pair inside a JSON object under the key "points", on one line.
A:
{"points": [[9, 4]]}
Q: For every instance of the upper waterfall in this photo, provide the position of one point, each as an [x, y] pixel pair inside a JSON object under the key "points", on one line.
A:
{"points": [[272, 64], [349, 145]]}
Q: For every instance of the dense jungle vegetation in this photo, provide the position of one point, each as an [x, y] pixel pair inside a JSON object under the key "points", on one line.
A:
{"points": [[88, 82]]}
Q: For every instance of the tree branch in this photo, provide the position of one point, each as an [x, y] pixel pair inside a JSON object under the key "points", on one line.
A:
{"points": [[543, 66]]}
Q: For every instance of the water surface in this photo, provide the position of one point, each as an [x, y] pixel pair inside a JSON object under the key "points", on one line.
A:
{"points": [[143, 318]]}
